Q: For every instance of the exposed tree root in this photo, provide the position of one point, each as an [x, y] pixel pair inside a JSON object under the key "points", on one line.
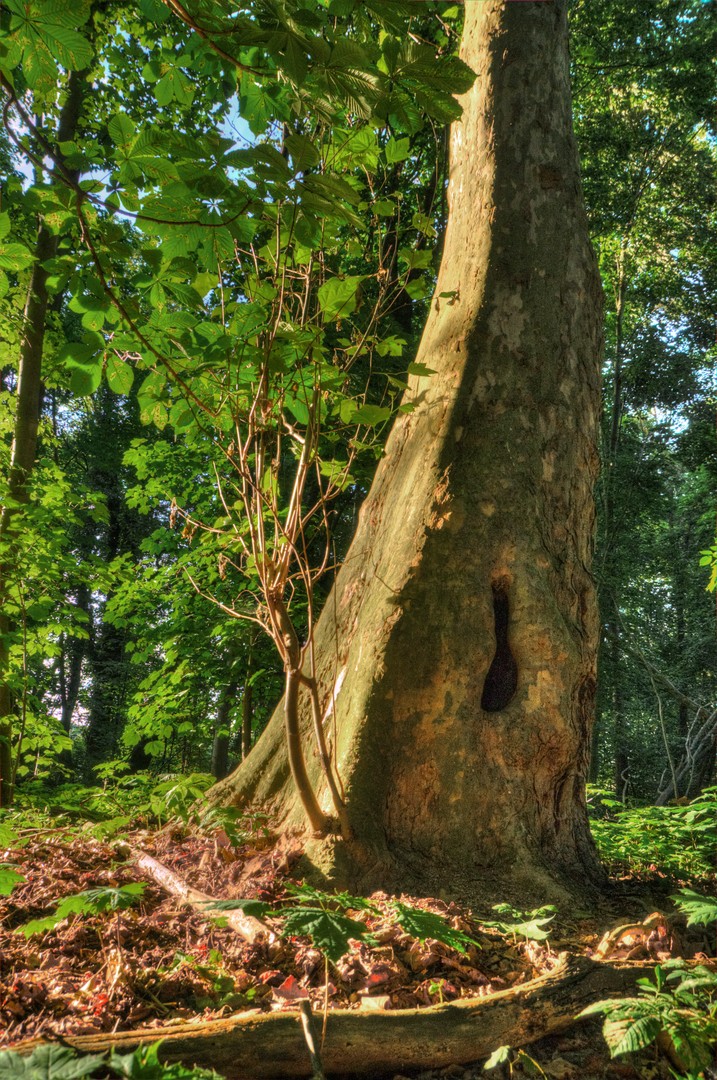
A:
{"points": [[272, 1045], [246, 925]]}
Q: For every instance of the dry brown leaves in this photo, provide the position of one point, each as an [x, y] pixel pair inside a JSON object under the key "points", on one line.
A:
{"points": [[158, 962]]}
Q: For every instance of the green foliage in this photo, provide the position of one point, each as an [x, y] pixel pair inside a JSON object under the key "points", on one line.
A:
{"points": [[678, 1004], [221, 985], [175, 797], [98, 901], [48, 1062], [507, 1056], [700, 910], [678, 840], [9, 878], [528, 924], [421, 924], [54, 1062], [330, 931], [324, 918]]}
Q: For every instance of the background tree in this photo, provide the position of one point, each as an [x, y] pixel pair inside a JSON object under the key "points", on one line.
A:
{"points": [[645, 106]]}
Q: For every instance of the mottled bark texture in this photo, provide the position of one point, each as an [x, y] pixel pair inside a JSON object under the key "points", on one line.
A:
{"points": [[488, 481]]}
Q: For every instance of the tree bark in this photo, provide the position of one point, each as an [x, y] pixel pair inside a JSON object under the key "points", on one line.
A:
{"points": [[222, 732], [269, 1046], [487, 482]]}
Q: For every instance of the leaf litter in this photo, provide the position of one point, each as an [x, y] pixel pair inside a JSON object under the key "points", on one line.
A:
{"points": [[124, 953]]}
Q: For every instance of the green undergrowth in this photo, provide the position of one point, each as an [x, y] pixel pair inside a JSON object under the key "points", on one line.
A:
{"points": [[679, 841], [54, 1062], [110, 810]]}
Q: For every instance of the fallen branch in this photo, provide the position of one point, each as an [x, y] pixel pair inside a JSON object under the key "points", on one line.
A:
{"points": [[246, 925], [260, 1046]]}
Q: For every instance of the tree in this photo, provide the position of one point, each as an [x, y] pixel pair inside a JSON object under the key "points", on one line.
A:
{"points": [[645, 106], [480, 513]]}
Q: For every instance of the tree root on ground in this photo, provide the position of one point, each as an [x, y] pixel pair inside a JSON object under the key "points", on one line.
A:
{"points": [[246, 925], [259, 1046]]}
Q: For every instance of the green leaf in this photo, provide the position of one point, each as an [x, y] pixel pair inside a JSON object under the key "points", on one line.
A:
{"points": [[15, 257], [72, 49], [501, 1056], [120, 375], [700, 910], [304, 154], [121, 130], [330, 931], [4, 225], [9, 878], [338, 297], [370, 415], [84, 378], [397, 150], [423, 925], [626, 1035], [48, 1062]]}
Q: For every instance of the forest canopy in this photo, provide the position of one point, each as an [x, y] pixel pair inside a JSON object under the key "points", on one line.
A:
{"points": [[357, 471], [189, 195]]}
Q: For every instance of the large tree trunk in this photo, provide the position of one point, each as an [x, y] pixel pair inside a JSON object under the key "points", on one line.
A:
{"points": [[484, 493]]}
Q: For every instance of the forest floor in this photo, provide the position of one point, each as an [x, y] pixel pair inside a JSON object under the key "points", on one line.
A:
{"points": [[158, 962]]}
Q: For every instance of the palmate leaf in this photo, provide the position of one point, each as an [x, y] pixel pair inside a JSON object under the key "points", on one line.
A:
{"points": [[423, 925], [627, 1034], [72, 50], [330, 931], [9, 878], [48, 1062], [91, 902]]}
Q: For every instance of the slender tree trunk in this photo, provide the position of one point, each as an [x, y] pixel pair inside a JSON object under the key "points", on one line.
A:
{"points": [[621, 762], [485, 490], [247, 715], [222, 733], [24, 446]]}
